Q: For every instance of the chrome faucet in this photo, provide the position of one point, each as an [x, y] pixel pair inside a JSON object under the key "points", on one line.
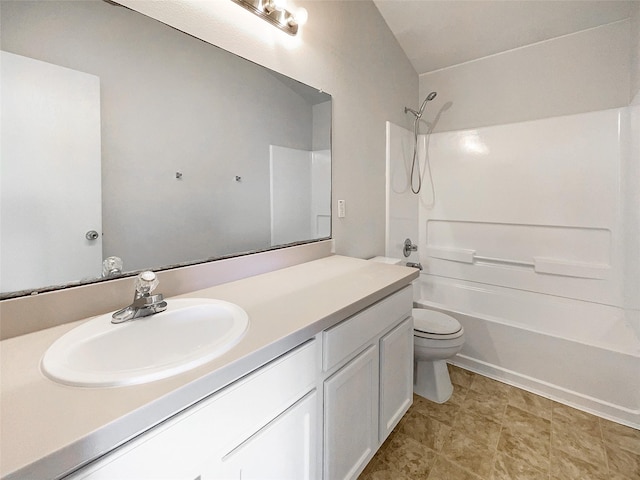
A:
{"points": [[144, 303], [414, 265]]}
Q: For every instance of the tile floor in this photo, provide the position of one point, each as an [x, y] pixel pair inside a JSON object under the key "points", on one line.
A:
{"points": [[491, 431]]}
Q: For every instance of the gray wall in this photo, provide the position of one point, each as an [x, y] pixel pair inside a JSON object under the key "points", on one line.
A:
{"points": [[635, 52], [582, 72], [170, 103]]}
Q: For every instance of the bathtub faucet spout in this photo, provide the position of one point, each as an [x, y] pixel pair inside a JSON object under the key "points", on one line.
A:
{"points": [[417, 265]]}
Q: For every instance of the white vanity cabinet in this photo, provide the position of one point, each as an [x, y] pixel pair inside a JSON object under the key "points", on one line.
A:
{"points": [[262, 426], [320, 410], [368, 387]]}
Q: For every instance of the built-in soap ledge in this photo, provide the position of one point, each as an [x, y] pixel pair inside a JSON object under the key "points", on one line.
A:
{"points": [[542, 265], [566, 268]]}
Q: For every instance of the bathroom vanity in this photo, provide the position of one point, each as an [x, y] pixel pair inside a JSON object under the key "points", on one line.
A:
{"points": [[321, 377]]}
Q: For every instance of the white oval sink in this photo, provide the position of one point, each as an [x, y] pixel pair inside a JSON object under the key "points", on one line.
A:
{"points": [[190, 332]]}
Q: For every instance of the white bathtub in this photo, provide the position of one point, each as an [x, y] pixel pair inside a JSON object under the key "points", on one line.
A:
{"points": [[579, 353]]}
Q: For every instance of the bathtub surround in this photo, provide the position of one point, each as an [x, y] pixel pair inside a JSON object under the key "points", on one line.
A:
{"points": [[532, 246], [532, 243], [630, 191], [542, 205]]}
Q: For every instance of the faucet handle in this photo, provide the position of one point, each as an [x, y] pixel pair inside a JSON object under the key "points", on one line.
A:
{"points": [[112, 266], [146, 282]]}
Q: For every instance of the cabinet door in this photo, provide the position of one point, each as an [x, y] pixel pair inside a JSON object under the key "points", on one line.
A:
{"points": [[282, 450], [351, 416], [396, 376]]}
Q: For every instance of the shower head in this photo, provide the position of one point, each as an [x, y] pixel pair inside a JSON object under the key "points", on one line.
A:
{"points": [[430, 97], [419, 113]]}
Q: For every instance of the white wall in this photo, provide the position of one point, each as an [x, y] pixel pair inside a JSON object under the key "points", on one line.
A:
{"points": [[358, 62], [581, 72]]}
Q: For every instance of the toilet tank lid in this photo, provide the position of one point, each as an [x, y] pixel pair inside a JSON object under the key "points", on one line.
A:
{"points": [[430, 321]]}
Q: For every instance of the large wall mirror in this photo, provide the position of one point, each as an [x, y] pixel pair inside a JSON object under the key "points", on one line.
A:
{"points": [[123, 137]]}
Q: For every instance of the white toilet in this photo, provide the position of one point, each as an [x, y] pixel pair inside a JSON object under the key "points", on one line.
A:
{"points": [[436, 337]]}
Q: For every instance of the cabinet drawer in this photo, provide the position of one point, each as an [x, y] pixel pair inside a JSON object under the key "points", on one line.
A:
{"points": [[347, 337]]}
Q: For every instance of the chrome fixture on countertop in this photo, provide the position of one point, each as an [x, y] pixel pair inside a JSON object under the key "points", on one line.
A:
{"points": [[144, 303]]}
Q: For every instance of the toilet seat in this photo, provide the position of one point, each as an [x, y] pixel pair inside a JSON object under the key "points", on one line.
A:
{"points": [[435, 325]]}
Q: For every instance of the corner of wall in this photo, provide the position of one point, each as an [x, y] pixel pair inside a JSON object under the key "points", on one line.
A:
{"points": [[635, 54]]}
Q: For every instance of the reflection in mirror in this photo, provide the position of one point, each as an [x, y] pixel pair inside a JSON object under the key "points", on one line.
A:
{"points": [[123, 137]]}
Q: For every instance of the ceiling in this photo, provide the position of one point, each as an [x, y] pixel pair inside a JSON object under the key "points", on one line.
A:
{"points": [[437, 34]]}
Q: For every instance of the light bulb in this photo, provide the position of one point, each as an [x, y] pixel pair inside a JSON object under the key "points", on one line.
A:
{"points": [[302, 16], [269, 6]]}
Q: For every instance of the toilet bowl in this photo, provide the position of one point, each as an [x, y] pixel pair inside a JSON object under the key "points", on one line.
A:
{"points": [[436, 337]]}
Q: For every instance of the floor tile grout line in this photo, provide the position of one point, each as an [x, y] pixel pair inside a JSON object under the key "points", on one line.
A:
{"points": [[604, 446]]}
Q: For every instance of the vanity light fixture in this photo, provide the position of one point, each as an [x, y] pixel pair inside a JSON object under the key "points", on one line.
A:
{"points": [[274, 12]]}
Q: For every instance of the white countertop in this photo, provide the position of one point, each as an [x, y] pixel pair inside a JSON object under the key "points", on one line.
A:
{"points": [[48, 429]]}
